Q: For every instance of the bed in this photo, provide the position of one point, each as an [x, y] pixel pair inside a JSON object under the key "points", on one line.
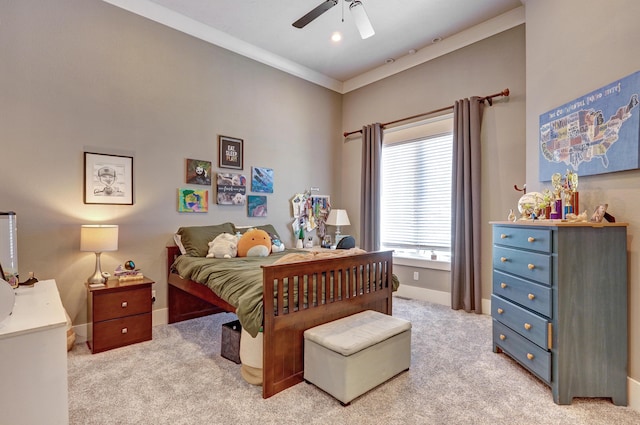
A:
{"points": [[321, 290]]}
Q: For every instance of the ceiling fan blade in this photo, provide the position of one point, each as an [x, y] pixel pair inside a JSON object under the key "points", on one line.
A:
{"points": [[362, 19], [302, 22]]}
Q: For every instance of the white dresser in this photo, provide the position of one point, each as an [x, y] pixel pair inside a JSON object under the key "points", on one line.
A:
{"points": [[33, 358]]}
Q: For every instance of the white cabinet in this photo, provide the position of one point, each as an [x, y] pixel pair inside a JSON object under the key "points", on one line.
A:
{"points": [[33, 358]]}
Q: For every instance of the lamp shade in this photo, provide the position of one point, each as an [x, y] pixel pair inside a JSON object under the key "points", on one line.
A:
{"points": [[361, 19], [98, 237], [338, 218]]}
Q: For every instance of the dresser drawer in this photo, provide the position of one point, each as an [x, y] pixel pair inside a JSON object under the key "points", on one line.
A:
{"points": [[528, 324], [523, 351], [530, 265], [528, 294], [522, 237], [119, 332], [112, 305]]}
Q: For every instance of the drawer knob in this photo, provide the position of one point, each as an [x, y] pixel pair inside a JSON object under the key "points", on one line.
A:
{"points": [[503, 259], [531, 266], [503, 236], [500, 311], [527, 326], [531, 296], [125, 304], [531, 239], [503, 285], [502, 337], [530, 356], [124, 330]]}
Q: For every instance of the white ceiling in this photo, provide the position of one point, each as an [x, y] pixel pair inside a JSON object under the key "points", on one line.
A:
{"points": [[262, 30]]}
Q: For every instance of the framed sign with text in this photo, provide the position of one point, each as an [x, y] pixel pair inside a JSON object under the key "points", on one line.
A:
{"points": [[230, 152]]}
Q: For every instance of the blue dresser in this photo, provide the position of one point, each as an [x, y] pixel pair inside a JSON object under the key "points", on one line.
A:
{"points": [[559, 304]]}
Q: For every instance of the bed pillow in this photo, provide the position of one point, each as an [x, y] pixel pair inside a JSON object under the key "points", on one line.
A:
{"points": [[195, 239], [266, 227]]}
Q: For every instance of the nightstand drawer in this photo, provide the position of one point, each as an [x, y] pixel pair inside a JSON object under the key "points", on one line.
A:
{"points": [[530, 265], [524, 351], [119, 332], [112, 305], [519, 237], [528, 294], [526, 323]]}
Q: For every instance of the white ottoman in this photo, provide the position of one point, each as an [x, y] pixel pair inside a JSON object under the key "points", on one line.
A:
{"points": [[350, 356]]}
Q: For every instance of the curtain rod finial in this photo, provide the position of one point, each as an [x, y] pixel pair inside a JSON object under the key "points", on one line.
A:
{"points": [[505, 92]]}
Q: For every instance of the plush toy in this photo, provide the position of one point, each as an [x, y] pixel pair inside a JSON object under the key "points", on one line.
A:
{"points": [[225, 245], [254, 243], [276, 244]]}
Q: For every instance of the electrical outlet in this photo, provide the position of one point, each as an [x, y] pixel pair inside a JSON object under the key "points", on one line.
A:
{"points": [[416, 275], [153, 296]]}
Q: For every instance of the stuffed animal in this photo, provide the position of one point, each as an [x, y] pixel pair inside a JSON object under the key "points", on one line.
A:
{"points": [[276, 244], [225, 245], [254, 243]]}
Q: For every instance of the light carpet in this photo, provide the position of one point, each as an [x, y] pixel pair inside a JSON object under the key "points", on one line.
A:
{"points": [[455, 378]]}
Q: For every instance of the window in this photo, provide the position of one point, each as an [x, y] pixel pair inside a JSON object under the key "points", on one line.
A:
{"points": [[416, 190]]}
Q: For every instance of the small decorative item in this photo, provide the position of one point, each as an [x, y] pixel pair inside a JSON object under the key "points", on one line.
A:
{"points": [[326, 241], [530, 204], [511, 216], [108, 179], [230, 152], [193, 200], [434, 256], [309, 242], [599, 213], [129, 265], [256, 206], [198, 172], [232, 189], [300, 241], [262, 179]]}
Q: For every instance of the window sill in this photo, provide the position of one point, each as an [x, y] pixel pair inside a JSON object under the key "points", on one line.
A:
{"points": [[422, 263]]}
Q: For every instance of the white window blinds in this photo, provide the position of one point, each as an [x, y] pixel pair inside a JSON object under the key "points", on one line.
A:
{"points": [[416, 193]]}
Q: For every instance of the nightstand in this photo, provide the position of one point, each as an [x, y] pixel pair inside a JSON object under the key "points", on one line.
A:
{"points": [[119, 314]]}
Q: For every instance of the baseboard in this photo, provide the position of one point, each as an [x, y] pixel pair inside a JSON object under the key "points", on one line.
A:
{"points": [[437, 297], [633, 394]]}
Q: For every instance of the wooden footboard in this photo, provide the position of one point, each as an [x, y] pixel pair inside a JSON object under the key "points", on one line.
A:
{"points": [[348, 285]]}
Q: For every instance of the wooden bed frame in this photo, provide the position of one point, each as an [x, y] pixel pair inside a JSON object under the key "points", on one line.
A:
{"points": [[283, 328]]}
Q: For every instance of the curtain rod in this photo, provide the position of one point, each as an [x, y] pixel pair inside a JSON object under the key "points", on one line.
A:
{"points": [[489, 99]]}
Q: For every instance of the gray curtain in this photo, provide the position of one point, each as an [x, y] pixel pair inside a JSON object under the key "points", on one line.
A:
{"points": [[370, 190], [466, 291]]}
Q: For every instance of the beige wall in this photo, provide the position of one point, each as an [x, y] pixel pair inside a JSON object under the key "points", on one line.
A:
{"points": [[573, 48], [483, 68], [77, 74]]}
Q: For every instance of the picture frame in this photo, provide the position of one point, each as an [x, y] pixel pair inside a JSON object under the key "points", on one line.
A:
{"points": [[108, 179], [256, 206], [198, 172], [230, 152], [193, 200], [231, 189], [262, 179]]}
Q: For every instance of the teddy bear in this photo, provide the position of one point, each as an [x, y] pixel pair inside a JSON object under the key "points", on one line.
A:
{"points": [[225, 245], [254, 243]]}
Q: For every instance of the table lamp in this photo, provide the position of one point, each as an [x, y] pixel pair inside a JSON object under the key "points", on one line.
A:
{"points": [[98, 238], [338, 218]]}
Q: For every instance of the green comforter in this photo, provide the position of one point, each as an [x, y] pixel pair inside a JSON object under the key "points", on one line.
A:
{"points": [[237, 280]]}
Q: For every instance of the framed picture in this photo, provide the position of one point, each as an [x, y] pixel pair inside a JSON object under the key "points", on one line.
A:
{"points": [[262, 179], [198, 172], [193, 200], [230, 152], [256, 206], [232, 189], [108, 179]]}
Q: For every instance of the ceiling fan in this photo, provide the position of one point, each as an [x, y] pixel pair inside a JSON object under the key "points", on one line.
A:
{"points": [[356, 8]]}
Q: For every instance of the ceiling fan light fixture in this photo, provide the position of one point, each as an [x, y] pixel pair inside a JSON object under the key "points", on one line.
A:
{"points": [[361, 19]]}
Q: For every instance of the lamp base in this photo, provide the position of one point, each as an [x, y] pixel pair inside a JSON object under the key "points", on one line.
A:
{"points": [[97, 277]]}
